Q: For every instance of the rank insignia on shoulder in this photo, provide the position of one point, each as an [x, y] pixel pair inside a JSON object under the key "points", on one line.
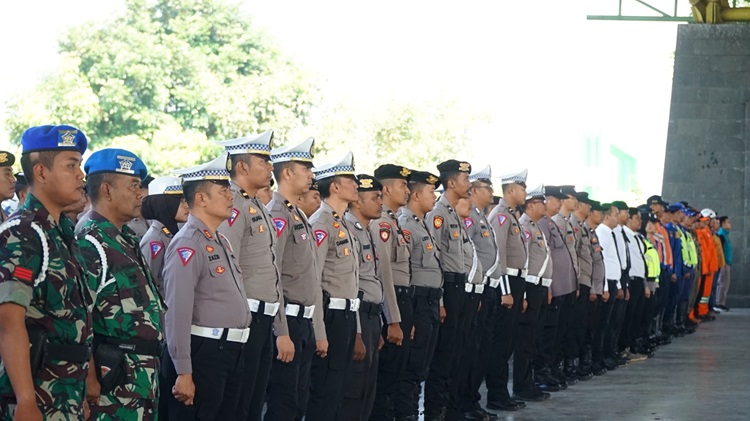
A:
{"points": [[233, 216], [156, 248], [358, 226], [220, 269], [22, 274], [320, 236], [437, 222], [468, 222], [186, 253], [280, 224], [252, 210], [208, 234], [342, 234]]}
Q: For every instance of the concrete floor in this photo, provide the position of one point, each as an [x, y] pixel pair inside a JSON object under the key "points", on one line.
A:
{"points": [[704, 376]]}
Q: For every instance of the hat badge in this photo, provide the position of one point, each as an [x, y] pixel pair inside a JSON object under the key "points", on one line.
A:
{"points": [[67, 137], [365, 183], [405, 172], [229, 163], [432, 179], [3, 158], [464, 166], [126, 164]]}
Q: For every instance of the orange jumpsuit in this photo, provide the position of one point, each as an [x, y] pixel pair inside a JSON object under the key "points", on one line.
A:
{"points": [[709, 266]]}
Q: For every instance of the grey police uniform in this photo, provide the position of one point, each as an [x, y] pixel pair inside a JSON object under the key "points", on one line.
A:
{"points": [[208, 320], [427, 282], [154, 246], [394, 260], [566, 280], [139, 225]]}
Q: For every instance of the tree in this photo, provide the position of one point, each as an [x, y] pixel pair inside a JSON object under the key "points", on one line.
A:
{"points": [[174, 68]]}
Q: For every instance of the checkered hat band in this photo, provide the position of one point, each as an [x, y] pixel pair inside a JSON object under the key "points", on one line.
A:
{"points": [[514, 180], [480, 176], [207, 174], [250, 148], [292, 156], [173, 190]]}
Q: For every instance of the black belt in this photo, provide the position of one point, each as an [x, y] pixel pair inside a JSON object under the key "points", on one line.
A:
{"points": [[70, 353], [430, 293], [132, 346], [455, 277], [405, 290], [369, 308]]}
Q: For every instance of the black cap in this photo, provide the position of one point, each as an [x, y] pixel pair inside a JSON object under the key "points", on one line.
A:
{"points": [[7, 159], [367, 183], [146, 181], [554, 191], [391, 171], [649, 216], [496, 200], [452, 165], [568, 190], [21, 181], [656, 200], [424, 177], [596, 205], [620, 205], [314, 185], [583, 197], [644, 208], [633, 211], [606, 207]]}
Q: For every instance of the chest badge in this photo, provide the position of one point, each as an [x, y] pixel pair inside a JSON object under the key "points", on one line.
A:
{"points": [[456, 234], [220, 269], [261, 229], [210, 249], [437, 222], [252, 210], [336, 225], [342, 234], [430, 246], [346, 251]]}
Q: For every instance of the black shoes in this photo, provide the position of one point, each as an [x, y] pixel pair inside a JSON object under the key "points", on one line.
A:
{"points": [[531, 396], [504, 405], [476, 415]]}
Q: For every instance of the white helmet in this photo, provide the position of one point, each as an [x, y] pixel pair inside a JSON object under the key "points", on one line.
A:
{"points": [[708, 213]]}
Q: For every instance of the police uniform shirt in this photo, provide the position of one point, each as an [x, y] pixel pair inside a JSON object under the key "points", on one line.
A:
{"points": [[511, 245], [393, 265], [154, 246], [446, 228], [483, 236], [540, 260], [337, 257], [425, 255], [597, 261], [139, 225], [563, 277], [203, 284], [583, 251], [251, 232], [566, 228], [369, 283]]}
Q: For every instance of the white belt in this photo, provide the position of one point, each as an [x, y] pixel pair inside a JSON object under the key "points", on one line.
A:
{"points": [[233, 335], [270, 309], [535, 280], [516, 272], [294, 310], [475, 288], [344, 304]]}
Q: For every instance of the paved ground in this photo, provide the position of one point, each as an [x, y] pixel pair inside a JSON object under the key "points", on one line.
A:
{"points": [[704, 376]]}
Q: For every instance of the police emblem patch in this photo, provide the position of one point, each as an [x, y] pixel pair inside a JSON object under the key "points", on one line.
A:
{"points": [[66, 138], [185, 253], [407, 235], [156, 248], [280, 224], [233, 216], [320, 236], [126, 164], [501, 219], [437, 222], [468, 222]]}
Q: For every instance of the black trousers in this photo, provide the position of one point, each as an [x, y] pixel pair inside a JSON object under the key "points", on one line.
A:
{"points": [[217, 375], [593, 308], [566, 345], [327, 374], [393, 359], [361, 380], [289, 385], [525, 341], [633, 315], [505, 323], [471, 397], [437, 389], [258, 357], [649, 313], [426, 319], [605, 316], [464, 362], [579, 322]]}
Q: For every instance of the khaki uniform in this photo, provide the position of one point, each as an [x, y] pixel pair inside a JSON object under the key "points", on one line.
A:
{"points": [[154, 246]]}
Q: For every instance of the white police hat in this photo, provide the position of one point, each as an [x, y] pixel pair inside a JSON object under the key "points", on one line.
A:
{"points": [[216, 169], [519, 178], [536, 193], [708, 213], [302, 152], [165, 185], [485, 174], [343, 167], [259, 144]]}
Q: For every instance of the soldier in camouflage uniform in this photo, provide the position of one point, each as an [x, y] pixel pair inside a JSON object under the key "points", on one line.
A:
{"points": [[7, 180], [128, 311], [42, 285]]}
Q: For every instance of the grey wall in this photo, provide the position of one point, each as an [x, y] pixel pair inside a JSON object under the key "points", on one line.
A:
{"points": [[708, 140]]}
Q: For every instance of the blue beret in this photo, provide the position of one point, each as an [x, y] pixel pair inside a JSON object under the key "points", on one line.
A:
{"points": [[53, 138], [117, 161]]}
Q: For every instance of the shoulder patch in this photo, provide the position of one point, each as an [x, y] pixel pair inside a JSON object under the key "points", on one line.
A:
{"points": [[320, 236], [385, 225], [23, 274], [468, 222], [156, 248], [185, 253], [501, 219], [437, 222], [407, 235], [233, 216], [280, 224], [385, 233]]}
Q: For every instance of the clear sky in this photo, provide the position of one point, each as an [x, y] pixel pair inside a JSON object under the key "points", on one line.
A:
{"points": [[545, 75]]}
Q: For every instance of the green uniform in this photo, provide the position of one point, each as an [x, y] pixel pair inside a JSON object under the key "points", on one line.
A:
{"points": [[128, 309], [45, 278]]}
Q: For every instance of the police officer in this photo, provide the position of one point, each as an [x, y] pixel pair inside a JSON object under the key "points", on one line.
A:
{"points": [[208, 318], [309, 202], [426, 282], [289, 386], [483, 237], [128, 311], [338, 265], [42, 288], [251, 232], [538, 279], [21, 188], [7, 180], [508, 280], [447, 229], [394, 272], [361, 380], [597, 289]]}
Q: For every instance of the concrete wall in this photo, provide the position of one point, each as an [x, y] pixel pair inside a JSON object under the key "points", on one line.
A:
{"points": [[709, 133]]}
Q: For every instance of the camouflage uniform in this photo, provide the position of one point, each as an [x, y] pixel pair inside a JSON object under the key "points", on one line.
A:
{"points": [[128, 307], [59, 303]]}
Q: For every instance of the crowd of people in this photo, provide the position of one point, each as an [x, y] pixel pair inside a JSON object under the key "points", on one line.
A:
{"points": [[258, 286]]}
